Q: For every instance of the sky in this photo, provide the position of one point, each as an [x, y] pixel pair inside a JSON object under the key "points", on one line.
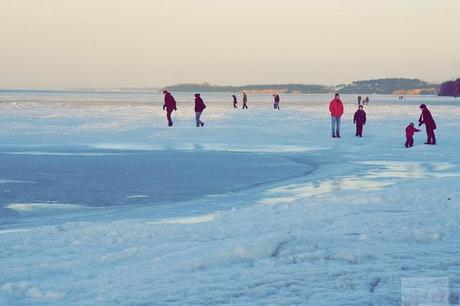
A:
{"points": [[57, 44]]}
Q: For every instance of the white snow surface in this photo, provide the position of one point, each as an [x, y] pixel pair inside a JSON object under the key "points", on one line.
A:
{"points": [[367, 214]]}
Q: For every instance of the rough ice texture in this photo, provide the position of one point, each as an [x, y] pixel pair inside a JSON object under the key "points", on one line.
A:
{"points": [[370, 214]]}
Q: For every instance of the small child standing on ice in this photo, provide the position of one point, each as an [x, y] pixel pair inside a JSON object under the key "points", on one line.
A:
{"points": [[360, 120], [410, 130]]}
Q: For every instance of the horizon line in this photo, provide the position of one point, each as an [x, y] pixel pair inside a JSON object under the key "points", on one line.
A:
{"points": [[156, 87]]}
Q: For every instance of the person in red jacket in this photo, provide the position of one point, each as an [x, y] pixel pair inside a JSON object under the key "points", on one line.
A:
{"points": [[410, 130], [430, 125], [170, 106], [199, 108], [336, 109]]}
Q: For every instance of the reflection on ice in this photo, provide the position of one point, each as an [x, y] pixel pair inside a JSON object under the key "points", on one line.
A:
{"points": [[59, 153], [376, 176], [28, 207], [137, 196], [249, 148], [278, 200], [410, 170], [13, 230], [189, 220], [7, 181], [297, 191]]}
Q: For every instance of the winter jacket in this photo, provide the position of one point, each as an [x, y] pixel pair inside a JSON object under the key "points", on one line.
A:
{"points": [[170, 102], [336, 108], [410, 130], [427, 119], [277, 99], [199, 105], [360, 117]]}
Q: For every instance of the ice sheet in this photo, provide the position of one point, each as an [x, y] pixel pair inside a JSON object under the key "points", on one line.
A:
{"points": [[368, 214]]}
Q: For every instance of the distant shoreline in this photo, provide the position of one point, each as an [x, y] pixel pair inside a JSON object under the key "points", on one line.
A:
{"points": [[388, 86]]}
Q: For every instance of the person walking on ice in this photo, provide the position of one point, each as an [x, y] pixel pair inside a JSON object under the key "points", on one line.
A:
{"points": [[169, 105], [245, 101], [235, 102], [430, 125], [199, 108], [276, 104], [360, 120], [410, 130], [336, 109]]}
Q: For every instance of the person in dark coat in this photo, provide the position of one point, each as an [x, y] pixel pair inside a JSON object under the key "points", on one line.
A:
{"points": [[169, 105], [430, 125], [410, 130], [235, 101], [276, 104], [199, 108], [360, 120], [359, 100], [245, 101]]}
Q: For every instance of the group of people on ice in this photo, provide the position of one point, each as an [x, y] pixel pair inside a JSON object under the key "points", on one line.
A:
{"points": [[364, 100], [276, 101], [170, 105], [427, 119], [245, 101], [336, 109]]}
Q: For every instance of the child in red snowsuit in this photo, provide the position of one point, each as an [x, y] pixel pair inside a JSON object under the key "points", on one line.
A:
{"points": [[410, 130]]}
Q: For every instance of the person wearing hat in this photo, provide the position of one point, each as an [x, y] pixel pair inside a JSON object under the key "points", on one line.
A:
{"points": [[169, 105], [199, 108], [410, 131], [430, 125]]}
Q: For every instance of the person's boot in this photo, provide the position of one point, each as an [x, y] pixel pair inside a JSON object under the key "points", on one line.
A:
{"points": [[333, 135], [202, 124]]}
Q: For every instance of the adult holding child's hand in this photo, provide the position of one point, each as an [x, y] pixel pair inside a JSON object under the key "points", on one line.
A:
{"points": [[427, 119]]}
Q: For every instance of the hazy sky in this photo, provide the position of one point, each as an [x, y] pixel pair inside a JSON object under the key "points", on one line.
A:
{"points": [[115, 43]]}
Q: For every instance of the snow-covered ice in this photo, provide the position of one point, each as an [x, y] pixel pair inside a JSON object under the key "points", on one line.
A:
{"points": [[102, 204]]}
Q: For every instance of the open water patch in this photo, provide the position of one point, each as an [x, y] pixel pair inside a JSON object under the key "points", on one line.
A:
{"points": [[134, 177]]}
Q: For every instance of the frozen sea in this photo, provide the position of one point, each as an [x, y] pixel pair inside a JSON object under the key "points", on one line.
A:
{"points": [[102, 204]]}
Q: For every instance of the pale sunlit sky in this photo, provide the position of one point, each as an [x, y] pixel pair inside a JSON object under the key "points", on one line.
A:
{"points": [[141, 43]]}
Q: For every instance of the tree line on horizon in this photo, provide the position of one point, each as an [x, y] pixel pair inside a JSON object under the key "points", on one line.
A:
{"points": [[398, 86], [450, 88]]}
